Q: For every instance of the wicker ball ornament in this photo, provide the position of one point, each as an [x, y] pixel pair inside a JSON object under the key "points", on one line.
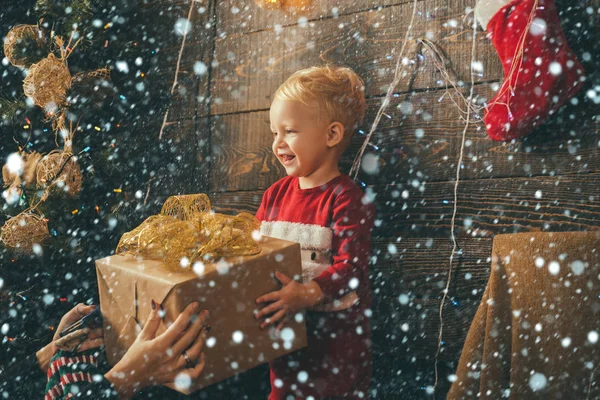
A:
{"points": [[14, 181], [22, 42], [47, 83], [27, 173], [61, 164], [23, 231]]}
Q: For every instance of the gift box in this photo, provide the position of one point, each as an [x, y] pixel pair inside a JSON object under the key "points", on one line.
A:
{"points": [[226, 286]]}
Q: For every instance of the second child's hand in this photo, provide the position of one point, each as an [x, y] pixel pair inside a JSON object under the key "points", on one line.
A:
{"points": [[291, 298]]}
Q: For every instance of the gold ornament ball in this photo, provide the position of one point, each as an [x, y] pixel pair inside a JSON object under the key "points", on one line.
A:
{"points": [[47, 83], [16, 43], [56, 162], [23, 231], [27, 174]]}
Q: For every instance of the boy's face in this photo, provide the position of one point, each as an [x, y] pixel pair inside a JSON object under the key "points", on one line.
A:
{"points": [[299, 137]]}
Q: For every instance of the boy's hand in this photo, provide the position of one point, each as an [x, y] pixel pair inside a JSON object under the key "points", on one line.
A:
{"points": [[293, 297]]}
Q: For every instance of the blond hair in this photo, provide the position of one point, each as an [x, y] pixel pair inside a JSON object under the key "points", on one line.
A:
{"points": [[337, 91]]}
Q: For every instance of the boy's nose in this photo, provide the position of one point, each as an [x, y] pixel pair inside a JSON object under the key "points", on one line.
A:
{"points": [[278, 142]]}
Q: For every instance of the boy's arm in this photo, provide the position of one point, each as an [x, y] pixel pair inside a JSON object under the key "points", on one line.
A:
{"points": [[261, 213], [351, 247]]}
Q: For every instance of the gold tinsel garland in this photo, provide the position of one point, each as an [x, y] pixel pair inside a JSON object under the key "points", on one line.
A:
{"points": [[187, 230]]}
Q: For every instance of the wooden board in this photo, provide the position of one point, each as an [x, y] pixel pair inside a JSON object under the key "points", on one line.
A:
{"points": [[190, 96], [418, 138], [163, 46], [245, 16], [422, 317], [252, 66], [162, 15], [241, 156], [485, 206], [417, 268], [179, 159], [492, 206], [406, 328], [421, 134], [405, 340]]}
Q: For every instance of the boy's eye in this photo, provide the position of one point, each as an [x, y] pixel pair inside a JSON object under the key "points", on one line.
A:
{"points": [[286, 131]]}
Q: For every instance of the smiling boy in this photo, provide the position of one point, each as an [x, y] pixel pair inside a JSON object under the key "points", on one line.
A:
{"points": [[313, 117]]}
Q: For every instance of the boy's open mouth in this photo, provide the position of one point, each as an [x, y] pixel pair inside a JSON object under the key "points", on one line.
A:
{"points": [[287, 158]]}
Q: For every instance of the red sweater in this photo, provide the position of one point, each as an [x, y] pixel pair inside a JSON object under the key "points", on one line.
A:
{"points": [[333, 224]]}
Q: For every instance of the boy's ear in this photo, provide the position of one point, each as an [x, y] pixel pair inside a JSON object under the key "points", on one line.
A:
{"points": [[335, 134]]}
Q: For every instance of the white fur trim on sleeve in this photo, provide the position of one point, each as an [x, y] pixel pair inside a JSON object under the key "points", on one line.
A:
{"points": [[310, 237]]}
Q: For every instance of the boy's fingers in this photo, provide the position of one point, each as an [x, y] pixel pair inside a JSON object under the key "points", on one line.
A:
{"points": [[270, 321], [270, 309], [279, 327], [273, 296], [283, 278]]}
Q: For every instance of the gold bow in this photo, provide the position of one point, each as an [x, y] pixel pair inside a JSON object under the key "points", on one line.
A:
{"points": [[186, 230]]}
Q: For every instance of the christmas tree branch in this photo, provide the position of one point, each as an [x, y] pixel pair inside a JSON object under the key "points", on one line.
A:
{"points": [[12, 108]]}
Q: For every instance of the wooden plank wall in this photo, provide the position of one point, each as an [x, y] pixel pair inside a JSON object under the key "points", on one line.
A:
{"points": [[220, 122]]}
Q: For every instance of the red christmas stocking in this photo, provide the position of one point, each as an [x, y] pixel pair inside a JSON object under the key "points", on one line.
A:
{"points": [[540, 70]]}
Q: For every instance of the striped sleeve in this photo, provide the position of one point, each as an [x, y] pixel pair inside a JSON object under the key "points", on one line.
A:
{"points": [[78, 375]]}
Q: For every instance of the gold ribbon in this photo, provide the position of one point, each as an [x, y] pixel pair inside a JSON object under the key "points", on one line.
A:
{"points": [[186, 228]]}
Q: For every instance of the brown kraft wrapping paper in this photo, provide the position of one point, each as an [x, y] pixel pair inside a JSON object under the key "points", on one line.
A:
{"points": [[227, 288]]}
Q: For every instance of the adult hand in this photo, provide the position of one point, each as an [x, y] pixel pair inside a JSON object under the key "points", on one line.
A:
{"points": [[291, 298], [94, 338], [156, 360]]}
